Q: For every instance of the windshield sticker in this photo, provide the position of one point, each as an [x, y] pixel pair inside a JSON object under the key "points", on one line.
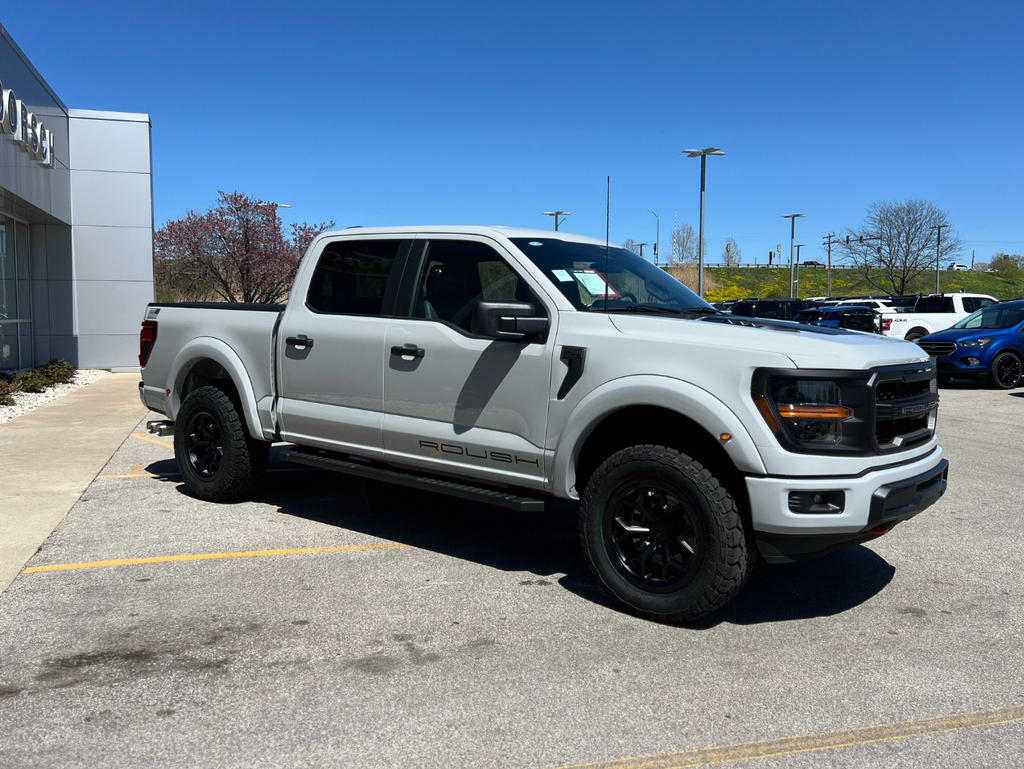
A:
{"points": [[595, 283], [562, 275]]}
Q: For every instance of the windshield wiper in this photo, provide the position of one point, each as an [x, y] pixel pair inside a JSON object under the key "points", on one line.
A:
{"points": [[701, 310], [643, 308]]}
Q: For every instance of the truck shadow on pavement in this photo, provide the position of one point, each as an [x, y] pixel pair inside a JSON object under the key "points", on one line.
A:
{"points": [[545, 544]]}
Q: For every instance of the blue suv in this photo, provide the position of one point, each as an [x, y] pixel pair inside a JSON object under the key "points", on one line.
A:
{"points": [[987, 344]]}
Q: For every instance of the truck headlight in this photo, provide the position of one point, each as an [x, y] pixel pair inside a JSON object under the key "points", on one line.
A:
{"points": [[975, 342], [809, 408]]}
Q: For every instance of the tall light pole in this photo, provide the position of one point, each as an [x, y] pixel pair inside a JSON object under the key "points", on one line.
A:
{"points": [[703, 155], [657, 237], [792, 243], [938, 251], [798, 247], [556, 214]]}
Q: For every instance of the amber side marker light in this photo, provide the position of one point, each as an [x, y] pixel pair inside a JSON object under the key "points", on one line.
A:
{"points": [[791, 411], [766, 411]]}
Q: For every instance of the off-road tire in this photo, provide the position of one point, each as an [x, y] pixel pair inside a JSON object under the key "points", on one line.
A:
{"points": [[244, 459], [1003, 366], [727, 558]]}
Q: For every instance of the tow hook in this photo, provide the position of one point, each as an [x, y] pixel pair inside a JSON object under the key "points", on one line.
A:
{"points": [[162, 427]]}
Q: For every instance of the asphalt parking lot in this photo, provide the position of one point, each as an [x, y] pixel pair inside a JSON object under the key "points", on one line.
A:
{"points": [[336, 622]]}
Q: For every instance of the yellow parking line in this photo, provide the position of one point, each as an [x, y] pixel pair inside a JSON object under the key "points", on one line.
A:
{"points": [[142, 437], [210, 556], [786, 746]]}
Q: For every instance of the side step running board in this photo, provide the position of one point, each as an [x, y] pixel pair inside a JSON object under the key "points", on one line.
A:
{"points": [[425, 483]]}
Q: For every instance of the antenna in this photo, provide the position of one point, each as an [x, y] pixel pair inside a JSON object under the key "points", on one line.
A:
{"points": [[607, 220]]}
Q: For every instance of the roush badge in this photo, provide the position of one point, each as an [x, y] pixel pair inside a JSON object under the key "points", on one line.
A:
{"points": [[22, 126]]}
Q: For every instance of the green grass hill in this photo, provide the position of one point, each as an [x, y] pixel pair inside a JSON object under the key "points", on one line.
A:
{"points": [[724, 283]]}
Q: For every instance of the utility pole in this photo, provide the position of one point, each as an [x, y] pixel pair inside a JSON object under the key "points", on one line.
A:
{"points": [[798, 247], [703, 155], [829, 272], [938, 251], [556, 214], [972, 260], [657, 236], [792, 244]]}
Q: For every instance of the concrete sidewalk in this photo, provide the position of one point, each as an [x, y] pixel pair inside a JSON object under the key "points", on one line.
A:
{"points": [[50, 456]]}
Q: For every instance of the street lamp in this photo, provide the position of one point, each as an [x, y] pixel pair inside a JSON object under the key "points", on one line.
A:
{"points": [[642, 248], [792, 241], [938, 249], [657, 237], [798, 247], [556, 214], [703, 155]]}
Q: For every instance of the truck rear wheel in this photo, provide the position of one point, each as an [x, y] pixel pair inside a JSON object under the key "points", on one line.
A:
{"points": [[663, 536], [217, 458]]}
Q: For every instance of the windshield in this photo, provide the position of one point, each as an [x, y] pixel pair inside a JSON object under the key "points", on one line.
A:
{"points": [[578, 269], [994, 316]]}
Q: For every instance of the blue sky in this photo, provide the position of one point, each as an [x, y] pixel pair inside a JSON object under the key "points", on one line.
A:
{"points": [[489, 113]]}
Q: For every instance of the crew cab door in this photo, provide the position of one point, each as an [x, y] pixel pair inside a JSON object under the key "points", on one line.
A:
{"points": [[330, 346], [459, 402]]}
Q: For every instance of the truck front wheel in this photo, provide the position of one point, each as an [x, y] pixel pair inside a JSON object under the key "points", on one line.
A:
{"points": [[663, 536], [217, 458]]}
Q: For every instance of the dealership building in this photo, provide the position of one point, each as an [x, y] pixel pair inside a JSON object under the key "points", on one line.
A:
{"points": [[76, 225]]}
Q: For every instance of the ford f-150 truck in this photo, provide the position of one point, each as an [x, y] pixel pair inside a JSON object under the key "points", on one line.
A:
{"points": [[932, 313], [516, 366]]}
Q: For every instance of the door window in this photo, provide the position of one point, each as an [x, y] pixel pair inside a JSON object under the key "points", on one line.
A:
{"points": [[351, 277], [456, 275]]}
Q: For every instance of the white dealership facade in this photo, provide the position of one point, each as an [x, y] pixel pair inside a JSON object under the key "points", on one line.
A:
{"points": [[76, 225]]}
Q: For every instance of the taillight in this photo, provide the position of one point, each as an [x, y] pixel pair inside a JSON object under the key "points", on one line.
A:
{"points": [[147, 338], [886, 324]]}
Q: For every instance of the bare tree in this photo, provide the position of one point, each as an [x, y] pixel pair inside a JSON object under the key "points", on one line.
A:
{"points": [[236, 251], [631, 245], [684, 244], [897, 242], [731, 256]]}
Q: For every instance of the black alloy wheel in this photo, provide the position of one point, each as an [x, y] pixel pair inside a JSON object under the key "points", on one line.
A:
{"points": [[1006, 371], [204, 444], [654, 536]]}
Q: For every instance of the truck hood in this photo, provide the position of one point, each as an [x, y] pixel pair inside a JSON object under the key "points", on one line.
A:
{"points": [[806, 346]]}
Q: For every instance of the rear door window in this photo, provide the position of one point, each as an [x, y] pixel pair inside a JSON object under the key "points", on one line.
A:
{"points": [[352, 276]]}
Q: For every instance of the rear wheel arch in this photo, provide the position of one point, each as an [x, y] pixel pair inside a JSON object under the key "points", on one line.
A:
{"points": [[210, 362], [916, 333]]}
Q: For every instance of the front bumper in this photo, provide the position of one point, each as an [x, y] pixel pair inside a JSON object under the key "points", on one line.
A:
{"points": [[954, 365], [874, 502]]}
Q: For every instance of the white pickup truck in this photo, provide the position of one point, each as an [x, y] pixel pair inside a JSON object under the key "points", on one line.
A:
{"points": [[515, 366], [931, 313]]}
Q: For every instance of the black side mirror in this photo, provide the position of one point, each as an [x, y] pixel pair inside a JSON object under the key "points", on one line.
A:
{"points": [[507, 320]]}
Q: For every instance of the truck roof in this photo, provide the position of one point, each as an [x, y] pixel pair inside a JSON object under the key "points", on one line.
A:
{"points": [[471, 229]]}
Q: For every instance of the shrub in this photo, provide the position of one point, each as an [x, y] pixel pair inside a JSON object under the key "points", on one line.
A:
{"points": [[30, 382], [57, 372], [7, 389]]}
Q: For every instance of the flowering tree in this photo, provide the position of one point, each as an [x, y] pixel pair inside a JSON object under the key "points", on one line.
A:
{"points": [[236, 251]]}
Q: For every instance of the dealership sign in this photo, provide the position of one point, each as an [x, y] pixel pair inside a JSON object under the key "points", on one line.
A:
{"points": [[22, 126]]}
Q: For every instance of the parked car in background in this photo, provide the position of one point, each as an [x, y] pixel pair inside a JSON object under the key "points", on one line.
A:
{"points": [[957, 267], [932, 313], [852, 317], [986, 345], [780, 309], [811, 263], [903, 302], [881, 305]]}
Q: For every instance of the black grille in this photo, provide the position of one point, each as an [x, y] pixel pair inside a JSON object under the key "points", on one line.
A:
{"points": [[938, 348], [888, 430], [890, 391]]}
